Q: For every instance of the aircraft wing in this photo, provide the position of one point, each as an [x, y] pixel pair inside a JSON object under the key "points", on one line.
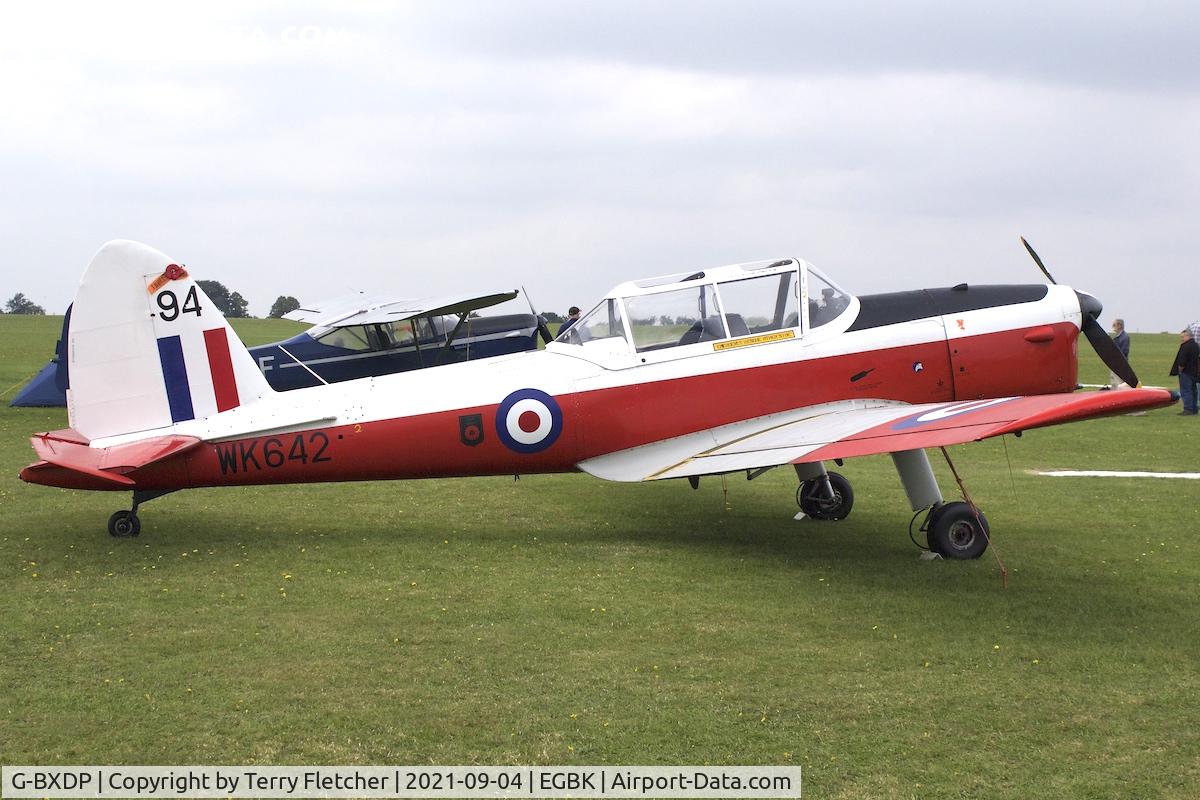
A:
{"points": [[367, 311], [337, 307], [857, 428]]}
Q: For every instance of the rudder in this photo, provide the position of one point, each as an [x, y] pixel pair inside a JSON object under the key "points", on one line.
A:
{"points": [[148, 349]]}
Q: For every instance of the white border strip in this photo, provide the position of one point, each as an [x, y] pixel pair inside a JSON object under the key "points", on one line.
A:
{"points": [[1101, 473], [402, 782]]}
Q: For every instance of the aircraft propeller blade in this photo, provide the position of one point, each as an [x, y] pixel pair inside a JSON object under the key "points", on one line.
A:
{"points": [[1090, 309], [1104, 346], [1113, 358], [1041, 266], [543, 328]]}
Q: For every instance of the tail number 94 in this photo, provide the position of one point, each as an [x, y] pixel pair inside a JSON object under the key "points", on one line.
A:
{"points": [[168, 304]]}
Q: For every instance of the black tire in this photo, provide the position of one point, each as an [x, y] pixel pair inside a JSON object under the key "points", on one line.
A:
{"points": [[814, 500], [954, 532], [124, 524]]}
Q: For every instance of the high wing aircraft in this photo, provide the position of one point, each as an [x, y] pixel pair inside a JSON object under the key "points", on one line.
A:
{"points": [[359, 336], [734, 369]]}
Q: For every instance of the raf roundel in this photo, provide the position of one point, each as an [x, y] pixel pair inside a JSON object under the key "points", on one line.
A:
{"points": [[528, 421]]}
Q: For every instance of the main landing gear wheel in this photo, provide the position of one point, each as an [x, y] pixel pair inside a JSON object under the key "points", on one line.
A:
{"points": [[953, 531], [124, 524], [814, 500]]}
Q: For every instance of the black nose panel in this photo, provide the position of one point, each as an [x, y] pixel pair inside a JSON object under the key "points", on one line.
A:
{"points": [[877, 310]]}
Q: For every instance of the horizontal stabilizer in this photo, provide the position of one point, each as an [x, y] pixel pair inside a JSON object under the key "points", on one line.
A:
{"points": [[68, 460]]}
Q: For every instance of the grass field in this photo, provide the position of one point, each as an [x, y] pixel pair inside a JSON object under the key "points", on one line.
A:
{"points": [[564, 620]]}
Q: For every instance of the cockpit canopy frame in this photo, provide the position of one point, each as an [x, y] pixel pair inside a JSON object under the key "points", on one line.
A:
{"points": [[723, 303]]}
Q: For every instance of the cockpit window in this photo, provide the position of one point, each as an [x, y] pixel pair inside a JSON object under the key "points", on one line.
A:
{"points": [[351, 337], [408, 332], [401, 333], [602, 322], [755, 305], [825, 302], [670, 319]]}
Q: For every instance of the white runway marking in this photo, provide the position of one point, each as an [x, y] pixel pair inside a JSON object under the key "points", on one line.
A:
{"points": [[1100, 473], [1109, 387]]}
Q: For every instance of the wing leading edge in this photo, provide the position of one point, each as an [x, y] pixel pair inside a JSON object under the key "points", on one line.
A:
{"points": [[857, 428], [359, 311]]}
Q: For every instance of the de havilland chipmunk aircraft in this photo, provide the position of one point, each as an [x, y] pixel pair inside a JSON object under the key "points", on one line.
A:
{"points": [[728, 370]]}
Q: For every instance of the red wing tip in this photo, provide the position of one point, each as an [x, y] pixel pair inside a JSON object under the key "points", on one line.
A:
{"points": [[1091, 405]]}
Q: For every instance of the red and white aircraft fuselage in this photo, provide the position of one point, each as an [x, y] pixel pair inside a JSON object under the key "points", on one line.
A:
{"points": [[736, 368]]}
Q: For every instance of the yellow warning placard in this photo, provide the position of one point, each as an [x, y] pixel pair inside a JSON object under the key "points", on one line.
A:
{"points": [[747, 341]]}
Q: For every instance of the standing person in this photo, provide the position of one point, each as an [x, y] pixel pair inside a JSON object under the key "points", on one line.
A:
{"points": [[1195, 329], [572, 317], [1121, 340], [1187, 367]]}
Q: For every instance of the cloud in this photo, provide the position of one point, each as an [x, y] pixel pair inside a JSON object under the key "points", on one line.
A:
{"points": [[1082, 43], [304, 149]]}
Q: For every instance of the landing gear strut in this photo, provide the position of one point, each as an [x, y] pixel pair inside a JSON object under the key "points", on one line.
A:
{"points": [[125, 524], [952, 530], [955, 530]]}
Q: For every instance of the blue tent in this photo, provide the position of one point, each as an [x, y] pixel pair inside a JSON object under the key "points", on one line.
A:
{"points": [[42, 390], [49, 387]]}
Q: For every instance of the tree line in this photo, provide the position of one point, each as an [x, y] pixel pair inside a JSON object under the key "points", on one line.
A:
{"points": [[20, 304], [231, 304]]}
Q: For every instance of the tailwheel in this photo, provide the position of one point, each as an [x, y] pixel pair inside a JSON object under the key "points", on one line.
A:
{"points": [[830, 500], [124, 524], [953, 531]]}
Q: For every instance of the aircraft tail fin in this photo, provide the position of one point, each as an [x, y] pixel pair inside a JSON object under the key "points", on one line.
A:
{"points": [[148, 349]]}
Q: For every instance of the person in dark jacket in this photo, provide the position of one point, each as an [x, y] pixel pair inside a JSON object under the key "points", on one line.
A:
{"points": [[1187, 367], [572, 317]]}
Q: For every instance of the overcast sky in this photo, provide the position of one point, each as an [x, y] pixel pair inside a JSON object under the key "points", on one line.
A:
{"points": [[420, 149]]}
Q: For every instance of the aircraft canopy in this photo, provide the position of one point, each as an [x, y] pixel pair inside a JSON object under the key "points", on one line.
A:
{"points": [[787, 297]]}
